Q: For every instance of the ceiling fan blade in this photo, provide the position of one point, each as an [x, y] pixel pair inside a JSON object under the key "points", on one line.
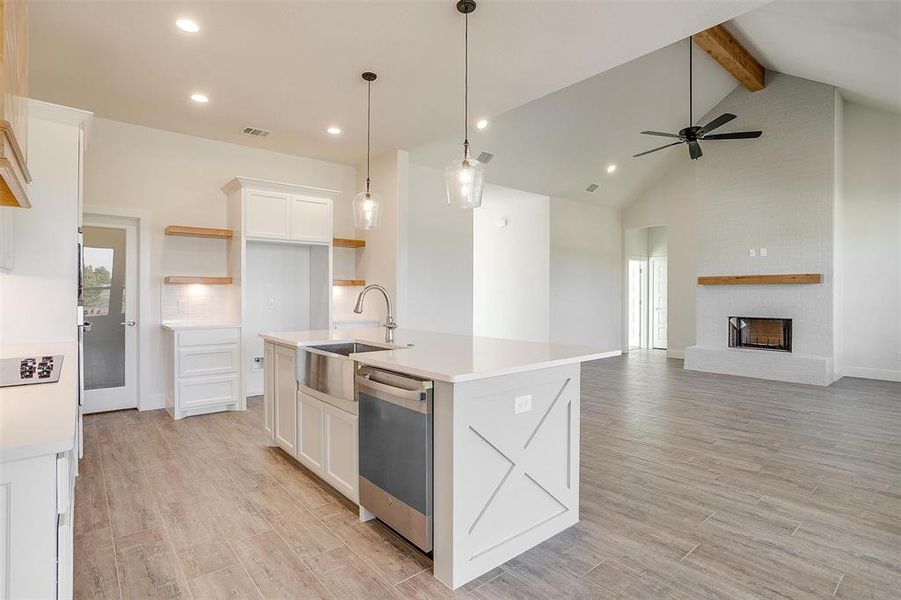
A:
{"points": [[694, 149], [717, 122], [656, 149], [737, 135], [661, 134]]}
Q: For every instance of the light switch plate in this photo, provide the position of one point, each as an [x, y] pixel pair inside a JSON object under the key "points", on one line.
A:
{"points": [[752, 252], [522, 404], [763, 252], [182, 305]]}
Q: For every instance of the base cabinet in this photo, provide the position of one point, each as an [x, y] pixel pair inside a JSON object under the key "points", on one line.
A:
{"points": [[310, 439], [285, 399], [203, 371], [341, 459]]}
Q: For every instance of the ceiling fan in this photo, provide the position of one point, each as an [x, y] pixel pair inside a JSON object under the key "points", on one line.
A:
{"points": [[693, 135]]}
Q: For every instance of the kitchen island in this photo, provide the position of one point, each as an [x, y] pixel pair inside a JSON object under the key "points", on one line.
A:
{"points": [[506, 434]]}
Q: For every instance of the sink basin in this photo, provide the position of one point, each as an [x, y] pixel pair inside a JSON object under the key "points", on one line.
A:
{"points": [[348, 349]]}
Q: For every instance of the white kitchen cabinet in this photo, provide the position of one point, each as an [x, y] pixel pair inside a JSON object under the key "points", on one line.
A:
{"points": [[311, 219], [36, 526], [7, 245], [269, 392], [203, 372], [341, 459], [268, 214], [310, 439], [285, 399]]}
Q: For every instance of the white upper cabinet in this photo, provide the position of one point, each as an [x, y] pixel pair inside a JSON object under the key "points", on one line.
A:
{"points": [[281, 211], [311, 219], [268, 214]]}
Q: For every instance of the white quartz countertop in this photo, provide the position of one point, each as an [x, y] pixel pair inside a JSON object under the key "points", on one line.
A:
{"points": [[184, 325], [40, 419], [444, 356]]}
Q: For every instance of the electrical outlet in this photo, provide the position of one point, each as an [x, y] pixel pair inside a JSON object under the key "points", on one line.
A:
{"points": [[257, 363], [182, 305], [752, 252], [270, 303], [522, 404], [763, 252]]}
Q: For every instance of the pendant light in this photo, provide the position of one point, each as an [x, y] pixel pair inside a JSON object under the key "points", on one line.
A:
{"points": [[465, 178], [368, 206]]}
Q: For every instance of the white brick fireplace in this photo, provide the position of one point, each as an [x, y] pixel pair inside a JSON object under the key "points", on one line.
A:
{"points": [[775, 193]]}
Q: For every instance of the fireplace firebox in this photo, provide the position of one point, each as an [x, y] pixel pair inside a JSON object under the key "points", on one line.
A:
{"points": [[760, 333]]}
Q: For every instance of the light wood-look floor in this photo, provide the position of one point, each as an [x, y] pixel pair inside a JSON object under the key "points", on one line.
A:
{"points": [[693, 486]]}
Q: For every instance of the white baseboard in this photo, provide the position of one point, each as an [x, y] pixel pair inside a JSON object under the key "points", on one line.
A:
{"points": [[680, 354], [152, 402], [868, 373]]}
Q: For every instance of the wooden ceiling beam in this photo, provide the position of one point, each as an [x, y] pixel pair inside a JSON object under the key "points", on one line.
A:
{"points": [[732, 56]]}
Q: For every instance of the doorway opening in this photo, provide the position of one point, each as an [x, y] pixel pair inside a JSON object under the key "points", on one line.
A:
{"points": [[109, 300], [646, 289]]}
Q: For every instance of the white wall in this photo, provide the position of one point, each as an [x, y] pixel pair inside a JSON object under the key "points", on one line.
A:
{"points": [[439, 257], [511, 265], [176, 179], [870, 221], [671, 200], [38, 297], [657, 241], [585, 274]]}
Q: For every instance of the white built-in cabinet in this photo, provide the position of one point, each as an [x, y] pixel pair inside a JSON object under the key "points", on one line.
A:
{"points": [[322, 437], [278, 215], [202, 370]]}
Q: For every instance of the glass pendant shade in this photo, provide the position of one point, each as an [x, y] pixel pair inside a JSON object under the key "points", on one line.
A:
{"points": [[465, 181], [367, 210]]}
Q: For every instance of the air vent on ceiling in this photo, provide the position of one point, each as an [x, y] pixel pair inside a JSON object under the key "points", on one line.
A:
{"points": [[592, 187], [256, 131], [485, 157]]}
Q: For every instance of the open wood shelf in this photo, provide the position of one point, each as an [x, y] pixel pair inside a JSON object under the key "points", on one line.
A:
{"points": [[760, 279], [183, 279], [203, 232], [349, 282], [348, 243]]}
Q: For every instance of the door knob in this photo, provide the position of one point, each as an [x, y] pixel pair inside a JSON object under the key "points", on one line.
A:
{"points": [[128, 323], [86, 326]]}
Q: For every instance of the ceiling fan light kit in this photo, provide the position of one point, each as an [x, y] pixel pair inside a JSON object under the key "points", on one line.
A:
{"points": [[693, 134]]}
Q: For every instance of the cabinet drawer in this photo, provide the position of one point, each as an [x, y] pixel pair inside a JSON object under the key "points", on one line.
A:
{"points": [[207, 391], [208, 337], [207, 360]]}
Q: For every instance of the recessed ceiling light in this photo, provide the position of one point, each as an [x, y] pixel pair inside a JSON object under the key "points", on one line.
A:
{"points": [[611, 168], [187, 25], [200, 98], [482, 124], [334, 130]]}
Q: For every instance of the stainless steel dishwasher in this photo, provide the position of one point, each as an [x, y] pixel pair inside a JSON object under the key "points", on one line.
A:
{"points": [[395, 424]]}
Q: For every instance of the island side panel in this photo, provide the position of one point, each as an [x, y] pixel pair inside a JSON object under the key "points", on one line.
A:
{"points": [[505, 481]]}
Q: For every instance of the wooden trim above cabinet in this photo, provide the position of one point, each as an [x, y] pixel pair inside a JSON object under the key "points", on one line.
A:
{"points": [[760, 279], [184, 279], [204, 232]]}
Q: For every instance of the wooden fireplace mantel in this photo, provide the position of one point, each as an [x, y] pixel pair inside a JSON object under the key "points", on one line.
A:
{"points": [[760, 279]]}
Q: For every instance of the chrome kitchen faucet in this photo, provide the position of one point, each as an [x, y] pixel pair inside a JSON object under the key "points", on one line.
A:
{"points": [[390, 325]]}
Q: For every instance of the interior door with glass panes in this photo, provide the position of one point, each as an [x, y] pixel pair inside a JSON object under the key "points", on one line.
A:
{"points": [[109, 276]]}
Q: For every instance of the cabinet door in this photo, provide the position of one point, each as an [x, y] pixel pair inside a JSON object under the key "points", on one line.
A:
{"points": [[267, 214], [309, 432], [341, 458], [269, 391], [285, 400], [311, 219]]}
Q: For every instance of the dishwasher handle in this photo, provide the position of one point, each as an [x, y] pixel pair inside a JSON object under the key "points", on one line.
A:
{"points": [[409, 393]]}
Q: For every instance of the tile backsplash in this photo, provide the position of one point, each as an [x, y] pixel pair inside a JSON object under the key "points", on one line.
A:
{"points": [[196, 304]]}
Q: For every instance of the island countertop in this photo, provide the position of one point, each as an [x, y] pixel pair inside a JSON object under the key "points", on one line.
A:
{"points": [[444, 356]]}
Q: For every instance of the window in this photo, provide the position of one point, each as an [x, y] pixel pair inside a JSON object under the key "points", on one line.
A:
{"points": [[98, 280]]}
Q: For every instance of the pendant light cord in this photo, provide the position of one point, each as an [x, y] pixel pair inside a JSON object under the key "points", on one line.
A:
{"points": [[368, 129], [466, 86]]}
